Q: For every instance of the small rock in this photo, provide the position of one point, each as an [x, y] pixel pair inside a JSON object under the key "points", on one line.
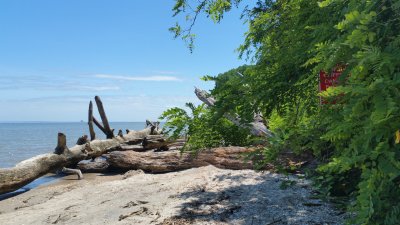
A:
{"points": [[132, 173]]}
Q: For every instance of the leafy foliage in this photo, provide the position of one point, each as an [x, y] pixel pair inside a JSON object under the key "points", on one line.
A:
{"points": [[201, 129], [233, 93], [290, 41]]}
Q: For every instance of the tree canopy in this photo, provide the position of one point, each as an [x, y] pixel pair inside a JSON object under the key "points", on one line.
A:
{"points": [[291, 41]]}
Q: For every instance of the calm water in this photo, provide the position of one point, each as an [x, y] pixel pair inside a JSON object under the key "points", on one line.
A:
{"points": [[20, 141]]}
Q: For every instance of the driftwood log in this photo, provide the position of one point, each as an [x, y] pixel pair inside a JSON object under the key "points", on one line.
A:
{"points": [[168, 161], [73, 171], [93, 166], [90, 122], [107, 129], [257, 127]]}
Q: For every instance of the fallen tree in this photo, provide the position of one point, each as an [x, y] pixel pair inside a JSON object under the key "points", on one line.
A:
{"points": [[174, 160]]}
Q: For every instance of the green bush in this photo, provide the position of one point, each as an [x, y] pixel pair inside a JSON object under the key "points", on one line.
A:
{"points": [[201, 129], [290, 41]]}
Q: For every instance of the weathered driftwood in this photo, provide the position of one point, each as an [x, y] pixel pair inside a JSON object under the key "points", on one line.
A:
{"points": [[107, 129], [177, 143], [141, 144], [152, 124], [136, 148], [98, 124], [90, 122], [82, 140], [167, 161], [154, 141], [26, 171], [96, 166], [61, 144], [73, 171], [120, 133], [256, 128]]}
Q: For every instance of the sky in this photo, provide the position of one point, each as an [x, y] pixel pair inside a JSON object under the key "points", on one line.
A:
{"points": [[55, 56]]}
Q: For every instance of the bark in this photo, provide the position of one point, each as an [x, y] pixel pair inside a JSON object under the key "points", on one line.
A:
{"points": [[90, 122], [141, 144], [26, 171], [168, 161], [96, 166], [82, 140], [98, 124], [120, 133], [106, 125], [154, 142], [256, 128], [61, 144], [73, 171]]}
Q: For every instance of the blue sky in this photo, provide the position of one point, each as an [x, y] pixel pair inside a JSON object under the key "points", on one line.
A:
{"points": [[55, 56]]}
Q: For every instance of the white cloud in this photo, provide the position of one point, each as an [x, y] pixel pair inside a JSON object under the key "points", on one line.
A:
{"points": [[164, 72], [138, 78], [52, 99], [98, 88]]}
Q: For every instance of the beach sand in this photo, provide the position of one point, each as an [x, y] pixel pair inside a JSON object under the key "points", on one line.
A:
{"points": [[206, 195]]}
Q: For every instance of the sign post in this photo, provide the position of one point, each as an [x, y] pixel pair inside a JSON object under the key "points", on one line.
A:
{"points": [[329, 80]]}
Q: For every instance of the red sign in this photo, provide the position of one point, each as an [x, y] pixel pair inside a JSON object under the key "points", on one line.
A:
{"points": [[330, 80]]}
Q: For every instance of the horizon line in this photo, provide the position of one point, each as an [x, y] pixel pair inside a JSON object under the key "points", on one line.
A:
{"points": [[82, 121]]}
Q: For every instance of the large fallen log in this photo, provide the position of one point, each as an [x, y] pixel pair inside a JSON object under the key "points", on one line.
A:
{"points": [[93, 166], [168, 161], [257, 127], [26, 171]]}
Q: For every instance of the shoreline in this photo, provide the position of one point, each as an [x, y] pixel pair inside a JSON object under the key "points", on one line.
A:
{"points": [[51, 179], [47, 179]]}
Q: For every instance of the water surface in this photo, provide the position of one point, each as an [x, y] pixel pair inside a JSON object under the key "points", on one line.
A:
{"points": [[20, 141]]}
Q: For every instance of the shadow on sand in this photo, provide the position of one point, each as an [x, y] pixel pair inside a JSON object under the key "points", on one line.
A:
{"points": [[260, 202]]}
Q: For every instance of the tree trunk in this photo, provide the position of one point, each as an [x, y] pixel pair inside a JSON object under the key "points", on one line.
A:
{"points": [[168, 161], [96, 166], [90, 122], [108, 131]]}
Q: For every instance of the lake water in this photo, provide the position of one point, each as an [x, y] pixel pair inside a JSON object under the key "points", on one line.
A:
{"points": [[20, 141]]}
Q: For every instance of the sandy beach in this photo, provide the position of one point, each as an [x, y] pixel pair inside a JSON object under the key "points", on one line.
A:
{"points": [[206, 195]]}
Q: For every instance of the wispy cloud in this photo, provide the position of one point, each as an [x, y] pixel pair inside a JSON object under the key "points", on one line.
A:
{"points": [[138, 78], [54, 83], [52, 99], [165, 72], [97, 88]]}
